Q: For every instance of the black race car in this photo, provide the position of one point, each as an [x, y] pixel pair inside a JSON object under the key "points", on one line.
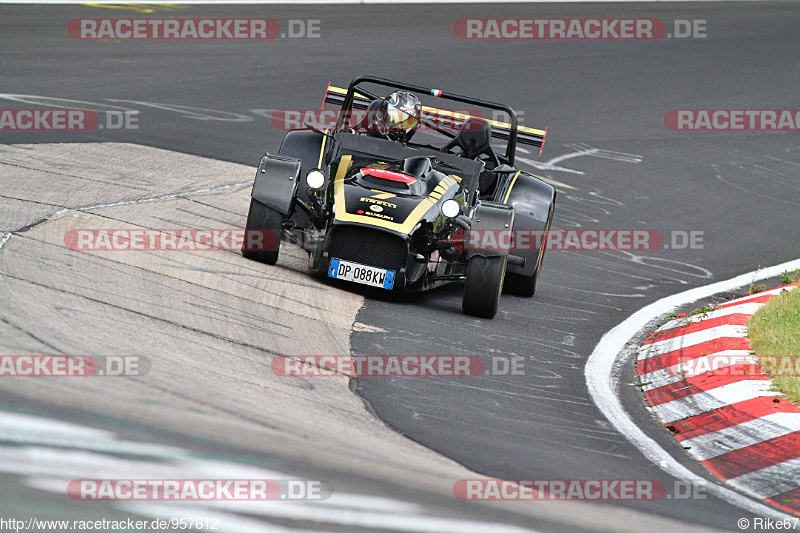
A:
{"points": [[372, 207]]}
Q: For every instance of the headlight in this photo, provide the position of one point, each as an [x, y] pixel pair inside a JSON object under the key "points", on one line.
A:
{"points": [[315, 179], [451, 209]]}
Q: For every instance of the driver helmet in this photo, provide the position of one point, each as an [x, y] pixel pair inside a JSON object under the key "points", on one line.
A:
{"points": [[395, 117]]}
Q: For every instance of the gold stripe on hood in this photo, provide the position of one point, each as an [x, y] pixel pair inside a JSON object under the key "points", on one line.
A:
{"points": [[401, 227]]}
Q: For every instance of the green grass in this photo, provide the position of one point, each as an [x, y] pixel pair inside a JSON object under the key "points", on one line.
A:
{"points": [[790, 277], [702, 311], [775, 336]]}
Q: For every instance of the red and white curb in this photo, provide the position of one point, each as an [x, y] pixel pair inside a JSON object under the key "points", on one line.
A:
{"points": [[608, 361], [699, 377]]}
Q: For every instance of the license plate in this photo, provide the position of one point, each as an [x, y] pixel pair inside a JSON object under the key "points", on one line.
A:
{"points": [[375, 277]]}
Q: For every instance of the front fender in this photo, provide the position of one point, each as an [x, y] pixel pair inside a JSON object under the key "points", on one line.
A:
{"points": [[276, 182], [491, 223]]}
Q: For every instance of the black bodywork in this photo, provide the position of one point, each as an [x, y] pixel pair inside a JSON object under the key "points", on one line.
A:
{"points": [[381, 201]]}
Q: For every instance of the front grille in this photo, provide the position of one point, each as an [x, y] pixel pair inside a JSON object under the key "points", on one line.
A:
{"points": [[368, 247]]}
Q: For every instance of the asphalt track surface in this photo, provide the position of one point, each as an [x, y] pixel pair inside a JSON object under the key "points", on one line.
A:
{"points": [[604, 103]]}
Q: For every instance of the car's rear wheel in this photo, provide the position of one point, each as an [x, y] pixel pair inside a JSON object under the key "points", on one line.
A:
{"points": [[262, 239], [484, 285], [526, 285], [520, 285]]}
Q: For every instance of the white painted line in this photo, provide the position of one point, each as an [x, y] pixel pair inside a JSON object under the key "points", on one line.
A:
{"points": [[742, 435], [710, 399], [770, 481], [718, 361], [50, 470], [357, 519], [34, 431], [227, 522], [48, 461], [745, 309], [602, 379]]}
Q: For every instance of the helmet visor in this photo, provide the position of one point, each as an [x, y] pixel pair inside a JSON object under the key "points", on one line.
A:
{"points": [[398, 118]]}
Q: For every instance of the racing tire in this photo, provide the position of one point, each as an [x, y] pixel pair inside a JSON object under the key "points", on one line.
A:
{"points": [[484, 285], [520, 285], [261, 217]]}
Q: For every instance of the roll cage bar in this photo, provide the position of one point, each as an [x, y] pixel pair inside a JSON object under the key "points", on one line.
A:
{"points": [[347, 105]]}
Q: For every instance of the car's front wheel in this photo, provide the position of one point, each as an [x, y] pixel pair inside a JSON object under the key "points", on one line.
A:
{"points": [[262, 238], [484, 285]]}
